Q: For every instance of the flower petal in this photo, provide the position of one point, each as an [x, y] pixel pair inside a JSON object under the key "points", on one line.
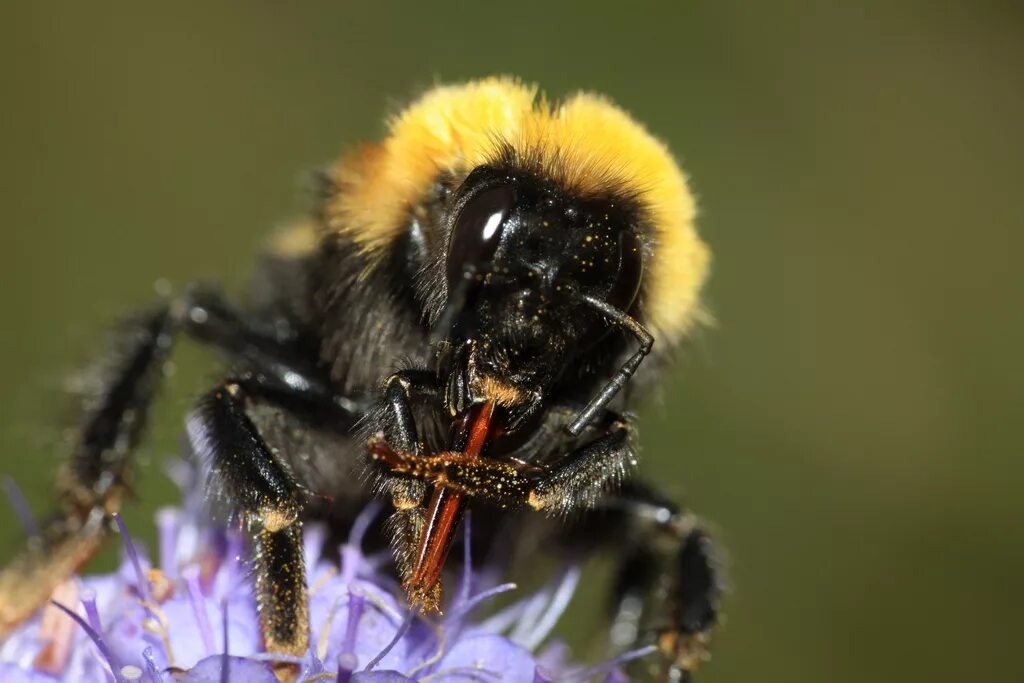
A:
{"points": [[490, 653], [12, 673], [381, 677], [209, 670]]}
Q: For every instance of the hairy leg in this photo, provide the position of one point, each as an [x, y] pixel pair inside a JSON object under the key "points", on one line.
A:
{"points": [[668, 586], [96, 479], [575, 480], [271, 366]]}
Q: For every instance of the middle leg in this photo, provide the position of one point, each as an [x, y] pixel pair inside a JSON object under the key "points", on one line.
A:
{"points": [[242, 471], [264, 496], [668, 586]]}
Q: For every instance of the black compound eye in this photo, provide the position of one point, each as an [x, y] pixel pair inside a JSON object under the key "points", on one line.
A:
{"points": [[631, 270], [478, 229]]}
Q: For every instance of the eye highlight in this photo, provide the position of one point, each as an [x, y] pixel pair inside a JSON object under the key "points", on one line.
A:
{"points": [[478, 229]]}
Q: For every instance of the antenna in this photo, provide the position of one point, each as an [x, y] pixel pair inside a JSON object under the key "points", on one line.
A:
{"points": [[619, 379]]}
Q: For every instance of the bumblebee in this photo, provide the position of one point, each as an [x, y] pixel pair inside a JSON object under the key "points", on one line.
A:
{"points": [[465, 321]]}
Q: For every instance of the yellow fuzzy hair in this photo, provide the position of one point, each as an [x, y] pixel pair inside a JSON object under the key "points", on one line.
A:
{"points": [[585, 143]]}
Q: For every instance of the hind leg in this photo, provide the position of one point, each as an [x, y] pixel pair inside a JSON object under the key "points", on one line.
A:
{"points": [[270, 364], [668, 585], [94, 482]]}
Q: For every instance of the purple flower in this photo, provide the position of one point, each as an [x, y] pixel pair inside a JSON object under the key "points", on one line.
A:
{"points": [[194, 614]]}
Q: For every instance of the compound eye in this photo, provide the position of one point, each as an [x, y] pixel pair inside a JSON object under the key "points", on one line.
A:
{"points": [[478, 229], [631, 270]]}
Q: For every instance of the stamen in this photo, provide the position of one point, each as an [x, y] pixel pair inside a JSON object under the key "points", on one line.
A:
{"points": [[195, 595], [356, 604], [438, 652], [531, 613], [467, 557], [325, 630], [151, 667], [324, 579], [168, 524], [235, 573], [347, 663], [156, 617], [351, 559], [21, 507], [563, 595], [402, 630], [313, 538], [97, 639], [500, 622], [583, 675], [91, 612], [367, 591], [225, 666], [362, 523], [466, 606], [353, 562], [133, 556], [156, 624], [322, 676]]}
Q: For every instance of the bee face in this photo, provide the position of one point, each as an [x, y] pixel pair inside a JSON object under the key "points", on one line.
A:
{"points": [[521, 253]]}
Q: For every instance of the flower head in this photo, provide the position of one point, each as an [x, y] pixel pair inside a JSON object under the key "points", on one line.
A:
{"points": [[192, 617]]}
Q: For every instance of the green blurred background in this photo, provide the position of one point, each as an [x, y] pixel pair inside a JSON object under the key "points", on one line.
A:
{"points": [[851, 426]]}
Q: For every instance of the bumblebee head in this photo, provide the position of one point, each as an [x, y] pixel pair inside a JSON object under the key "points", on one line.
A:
{"points": [[523, 255]]}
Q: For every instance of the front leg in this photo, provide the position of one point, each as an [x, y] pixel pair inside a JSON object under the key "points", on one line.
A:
{"points": [[573, 481], [402, 391], [393, 420]]}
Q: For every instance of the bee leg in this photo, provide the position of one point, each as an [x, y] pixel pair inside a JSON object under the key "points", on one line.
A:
{"points": [[281, 595], [580, 479], [96, 479], [259, 485], [668, 587], [577, 480], [259, 488], [262, 489], [395, 416], [97, 476], [393, 420]]}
